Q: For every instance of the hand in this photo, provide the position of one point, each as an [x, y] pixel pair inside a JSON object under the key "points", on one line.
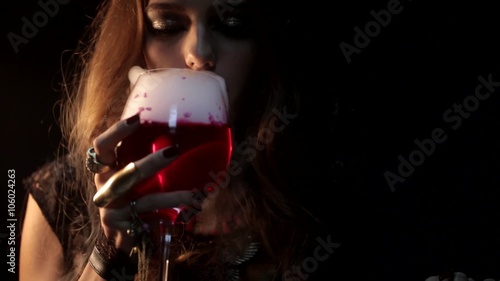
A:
{"points": [[116, 218]]}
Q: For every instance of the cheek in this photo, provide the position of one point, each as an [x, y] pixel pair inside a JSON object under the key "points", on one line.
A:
{"points": [[237, 68], [160, 54]]}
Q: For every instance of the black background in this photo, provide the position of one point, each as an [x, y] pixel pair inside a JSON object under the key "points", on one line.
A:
{"points": [[30, 82], [444, 216]]}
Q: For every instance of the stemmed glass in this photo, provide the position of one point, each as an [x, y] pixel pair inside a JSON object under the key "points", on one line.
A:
{"points": [[179, 107]]}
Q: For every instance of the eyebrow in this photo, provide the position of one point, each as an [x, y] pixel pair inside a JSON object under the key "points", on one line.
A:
{"points": [[240, 6], [224, 6], [165, 6], [227, 2]]}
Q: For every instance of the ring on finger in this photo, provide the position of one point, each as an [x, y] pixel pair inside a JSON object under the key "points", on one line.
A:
{"points": [[118, 185], [94, 165]]}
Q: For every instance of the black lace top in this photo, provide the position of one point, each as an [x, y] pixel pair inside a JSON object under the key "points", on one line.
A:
{"points": [[63, 208]]}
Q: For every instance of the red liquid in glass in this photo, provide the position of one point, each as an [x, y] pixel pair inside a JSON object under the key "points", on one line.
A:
{"points": [[204, 151]]}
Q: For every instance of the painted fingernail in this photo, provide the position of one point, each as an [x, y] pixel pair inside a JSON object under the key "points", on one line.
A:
{"points": [[171, 151], [132, 119]]}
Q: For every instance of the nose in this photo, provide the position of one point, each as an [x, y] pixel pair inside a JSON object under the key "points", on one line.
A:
{"points": [[199, 49]]}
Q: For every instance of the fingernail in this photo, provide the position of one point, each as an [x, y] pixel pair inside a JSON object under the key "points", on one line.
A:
{"points": [[171, 151], [132, 119]]}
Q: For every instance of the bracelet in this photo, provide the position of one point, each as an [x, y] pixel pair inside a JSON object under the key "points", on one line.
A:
{"points": [[111, 263]]}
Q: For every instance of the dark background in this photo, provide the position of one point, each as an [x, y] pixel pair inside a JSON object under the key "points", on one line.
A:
{"points": [[360, 117], [30, 82]]}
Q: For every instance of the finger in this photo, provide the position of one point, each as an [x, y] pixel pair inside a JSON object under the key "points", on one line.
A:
{"points": [[116, 223], [432, 278], [124, 180], [164, 200], [101, 178], [147, 203], [118, 218], [154, 162], [105, 143]]}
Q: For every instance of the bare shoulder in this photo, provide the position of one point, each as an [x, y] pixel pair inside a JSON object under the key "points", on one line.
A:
{"points": [[41, 253]]}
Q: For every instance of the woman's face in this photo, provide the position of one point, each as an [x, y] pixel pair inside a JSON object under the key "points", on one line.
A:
{"points": [[214, 35]]}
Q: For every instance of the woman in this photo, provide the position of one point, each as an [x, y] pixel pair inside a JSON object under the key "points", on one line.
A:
{"points": [[242, 42]]}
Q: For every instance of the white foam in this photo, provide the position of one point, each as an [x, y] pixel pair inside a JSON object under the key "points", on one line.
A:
{"points": [[195, 96]]}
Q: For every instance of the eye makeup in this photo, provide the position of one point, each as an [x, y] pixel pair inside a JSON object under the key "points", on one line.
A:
{"points": [[168, 19]]}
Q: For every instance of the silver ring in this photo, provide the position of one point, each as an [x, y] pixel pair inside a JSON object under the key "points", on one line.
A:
{"points": [[93, 165]]}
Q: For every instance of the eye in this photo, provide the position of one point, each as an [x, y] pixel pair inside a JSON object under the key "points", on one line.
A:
{"points": [[166, 25], [164, 22], [235, 27]]}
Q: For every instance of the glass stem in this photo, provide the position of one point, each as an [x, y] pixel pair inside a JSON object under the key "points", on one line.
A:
{"points": [[165, 241]]}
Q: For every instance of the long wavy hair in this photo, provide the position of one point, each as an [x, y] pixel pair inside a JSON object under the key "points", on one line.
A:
{"points": [[259, 197]]}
